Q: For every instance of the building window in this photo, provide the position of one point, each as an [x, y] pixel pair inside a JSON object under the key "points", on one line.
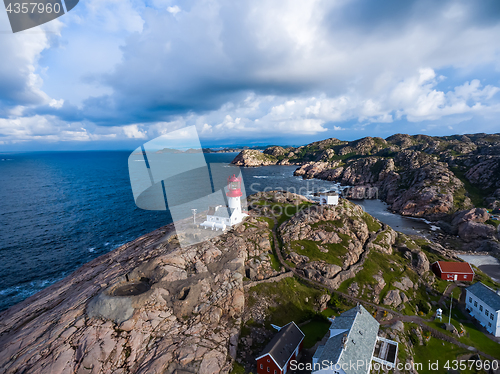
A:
{"points": [[261, 366], [470, 299], [475, 304], [268, 370], [486, 312], [489, 324], [492, 316], [275, 372], [480, 308]]}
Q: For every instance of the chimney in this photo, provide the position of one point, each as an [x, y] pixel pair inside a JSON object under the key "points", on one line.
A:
{"points": [[344, 341]]}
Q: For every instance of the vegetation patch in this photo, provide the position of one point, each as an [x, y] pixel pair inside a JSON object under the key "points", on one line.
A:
{"points": [[294, 300], [493, 222], [436, 350], [315, 330], [334, 255], [328, 226], [475, 194], [372, 224]]}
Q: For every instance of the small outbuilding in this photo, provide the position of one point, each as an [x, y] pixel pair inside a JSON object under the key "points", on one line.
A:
{"points": [[329, 198], [281, 350], [453, 271]]}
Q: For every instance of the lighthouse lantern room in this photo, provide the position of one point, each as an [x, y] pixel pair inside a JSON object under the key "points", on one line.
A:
{"points": [[220, 217]]}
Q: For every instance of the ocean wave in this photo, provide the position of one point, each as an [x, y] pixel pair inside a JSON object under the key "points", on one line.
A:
{"points": [[261, 176]]}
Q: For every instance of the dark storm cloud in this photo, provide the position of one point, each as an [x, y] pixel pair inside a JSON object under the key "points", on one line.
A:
{"points": [[204, 57]]}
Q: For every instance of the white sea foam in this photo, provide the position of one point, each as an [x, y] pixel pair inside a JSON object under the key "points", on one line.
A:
{"points": [[261, 176]]}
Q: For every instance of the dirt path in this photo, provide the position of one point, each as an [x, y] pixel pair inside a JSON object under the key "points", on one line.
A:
{"points": [[399, 317], [447, 292]]}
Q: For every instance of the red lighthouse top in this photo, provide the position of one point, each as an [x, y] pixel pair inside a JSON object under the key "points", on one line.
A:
{"points": [[234, 186]]}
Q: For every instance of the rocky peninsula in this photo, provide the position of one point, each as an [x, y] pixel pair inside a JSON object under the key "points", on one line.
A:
{"points": [[452, 180], [152, 306]]}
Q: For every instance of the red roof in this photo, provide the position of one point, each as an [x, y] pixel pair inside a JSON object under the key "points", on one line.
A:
{"points": [[455, 267]]}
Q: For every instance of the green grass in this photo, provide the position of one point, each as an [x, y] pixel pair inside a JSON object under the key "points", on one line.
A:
{"points": [[269, 221], [456, 293], [328, 312], [372, 224], [289, 211], [480, 276], [472, 336], [334, 255], [290, 296], [436, 350], [315, 331], [431, 256], [275, 263], [237, 368], [376, 262], [477, 339], [328, 226], [475, 194], [493, 222]]}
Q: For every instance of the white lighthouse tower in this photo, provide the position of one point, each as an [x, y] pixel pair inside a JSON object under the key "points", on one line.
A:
{"points": [[234, 198], [220, 217]]}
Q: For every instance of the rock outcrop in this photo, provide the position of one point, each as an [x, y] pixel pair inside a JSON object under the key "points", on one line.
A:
{"points": [[420, 176], [147, 307], [253, 158]]}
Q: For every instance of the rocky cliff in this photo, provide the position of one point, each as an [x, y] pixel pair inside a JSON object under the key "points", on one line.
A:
{"points": [[418, 176], [152, 306]]}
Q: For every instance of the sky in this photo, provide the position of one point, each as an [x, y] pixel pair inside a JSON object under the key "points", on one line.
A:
{"points": [[114, 74]]}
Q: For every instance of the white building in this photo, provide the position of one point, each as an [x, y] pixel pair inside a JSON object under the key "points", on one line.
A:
{"points": [[483, 304], [353, 346], [220, 217], [329, 198]]}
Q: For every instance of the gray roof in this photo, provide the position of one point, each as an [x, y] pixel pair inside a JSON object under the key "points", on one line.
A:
{"points": [[486, 294], [360, 336], [283, 344]]}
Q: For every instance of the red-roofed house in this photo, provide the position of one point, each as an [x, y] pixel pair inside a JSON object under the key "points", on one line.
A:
{"points": [[281, 350], [453, 271]]}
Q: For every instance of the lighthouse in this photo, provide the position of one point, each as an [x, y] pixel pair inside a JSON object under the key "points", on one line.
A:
{"points": [[220, 217], [234, 194]]}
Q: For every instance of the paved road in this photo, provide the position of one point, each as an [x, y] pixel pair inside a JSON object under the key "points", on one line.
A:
{"points": [[400, 317]]}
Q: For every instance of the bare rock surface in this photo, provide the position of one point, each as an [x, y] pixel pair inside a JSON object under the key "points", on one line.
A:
{"points": [[419, 175], [182, 312]]}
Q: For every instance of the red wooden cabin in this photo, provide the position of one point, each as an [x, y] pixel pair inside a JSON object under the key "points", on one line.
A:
{"points": [[453, 271], [281, 350]]}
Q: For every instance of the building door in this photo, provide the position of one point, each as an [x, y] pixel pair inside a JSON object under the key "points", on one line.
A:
{"points": [[456, 277]]}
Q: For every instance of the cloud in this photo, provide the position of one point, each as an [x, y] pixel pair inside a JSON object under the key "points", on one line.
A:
{"points": [[253, 69]]}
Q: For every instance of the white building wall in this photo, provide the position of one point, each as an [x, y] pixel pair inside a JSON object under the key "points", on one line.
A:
{"points": [[474, 304]]}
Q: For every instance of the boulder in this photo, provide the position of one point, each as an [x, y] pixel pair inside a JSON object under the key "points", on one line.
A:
{"points": [[398, 326], [480, 215], [393, 298], [470, 231]]}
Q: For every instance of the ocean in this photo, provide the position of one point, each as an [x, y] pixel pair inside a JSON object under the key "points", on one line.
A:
{"points": [[60, 210]]}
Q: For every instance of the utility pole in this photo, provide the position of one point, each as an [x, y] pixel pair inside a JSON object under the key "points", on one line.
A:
{"points": [[451, 304]]}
